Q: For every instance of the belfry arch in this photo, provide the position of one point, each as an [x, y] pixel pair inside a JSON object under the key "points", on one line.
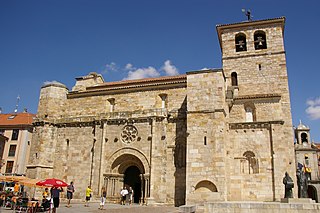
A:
{"points": [[128, 168]]}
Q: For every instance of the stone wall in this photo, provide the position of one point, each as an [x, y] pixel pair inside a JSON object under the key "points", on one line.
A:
{"points": [[191, 137], [78, 139]]}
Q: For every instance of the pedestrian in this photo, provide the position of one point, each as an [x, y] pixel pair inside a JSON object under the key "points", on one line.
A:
{"points": [[124, 193], [130, 195], [16, 189], [45, 193], [55, 194], [70, 191], [103, 197], [88, 195]]}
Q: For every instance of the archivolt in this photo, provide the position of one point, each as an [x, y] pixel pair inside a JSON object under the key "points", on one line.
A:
{"points": [[125, 157]]}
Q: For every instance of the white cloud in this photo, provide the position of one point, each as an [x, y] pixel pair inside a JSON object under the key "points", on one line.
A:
{"points": [[145, 72], [149, 72], [313, 109], [112, 67], [129, 67], [169, 69]]}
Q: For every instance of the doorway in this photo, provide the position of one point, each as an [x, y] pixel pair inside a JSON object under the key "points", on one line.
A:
{"points": [[132, 178]]}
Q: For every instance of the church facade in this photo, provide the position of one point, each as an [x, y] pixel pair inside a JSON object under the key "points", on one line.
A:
{"points": [[208, 135]]}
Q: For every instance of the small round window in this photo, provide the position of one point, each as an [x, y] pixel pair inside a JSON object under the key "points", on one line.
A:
{"points": [[129, 134]]}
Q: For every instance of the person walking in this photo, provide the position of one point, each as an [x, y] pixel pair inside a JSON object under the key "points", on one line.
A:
{"points": [[130, 195], [123, 193], [103, 197], [55, 194], [88, 195], [70, 191]]}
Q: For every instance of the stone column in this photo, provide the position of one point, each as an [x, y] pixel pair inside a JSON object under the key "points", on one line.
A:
{"points": [[150, 186], [142, 198]]}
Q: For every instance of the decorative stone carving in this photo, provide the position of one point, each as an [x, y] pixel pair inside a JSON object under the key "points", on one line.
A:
{"points": [[129, 134]]}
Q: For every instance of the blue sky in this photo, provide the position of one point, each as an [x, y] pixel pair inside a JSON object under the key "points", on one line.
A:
{"points": [[58, 40]]}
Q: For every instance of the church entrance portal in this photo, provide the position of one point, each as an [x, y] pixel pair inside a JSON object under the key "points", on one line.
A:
{"points": [[132, 179], [128, 169]]}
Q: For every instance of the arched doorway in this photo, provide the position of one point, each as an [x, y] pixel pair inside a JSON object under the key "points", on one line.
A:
{"points": [[129, 168], [132, 179]]}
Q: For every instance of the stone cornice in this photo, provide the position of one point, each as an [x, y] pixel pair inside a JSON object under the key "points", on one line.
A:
{"points": [[298, 149], [253, 55], [109, 118], [207, 111], [204, 71], [254, 125], [39, 166], [280, 20], [244, 98]]}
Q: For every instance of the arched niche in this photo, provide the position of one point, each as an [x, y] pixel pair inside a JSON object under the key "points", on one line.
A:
{"points": [[206, 186]]}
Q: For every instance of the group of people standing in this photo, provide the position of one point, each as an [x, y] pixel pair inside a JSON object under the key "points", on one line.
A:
{"points": [[55, 196], [126, 195]]}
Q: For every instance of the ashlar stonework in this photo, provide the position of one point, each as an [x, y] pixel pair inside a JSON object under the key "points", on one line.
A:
{"points": [[209, 135]]}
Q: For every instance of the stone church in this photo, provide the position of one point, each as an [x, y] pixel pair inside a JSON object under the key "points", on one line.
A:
{"points": [[209, 135]]}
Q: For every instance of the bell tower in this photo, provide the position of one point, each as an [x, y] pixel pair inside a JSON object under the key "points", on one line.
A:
{"points": [[306, 152], [259, 112], [253, 56]]}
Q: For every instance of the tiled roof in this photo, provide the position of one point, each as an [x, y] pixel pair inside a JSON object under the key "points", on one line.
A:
{"points": [[14, 119], [249, 22], [140, 81], [317, 145]]}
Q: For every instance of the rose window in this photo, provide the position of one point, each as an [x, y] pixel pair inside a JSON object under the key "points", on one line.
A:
{"points": [[129, 134]]}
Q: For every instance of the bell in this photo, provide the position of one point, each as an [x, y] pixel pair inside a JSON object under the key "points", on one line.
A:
{"points": [[260, 43]]}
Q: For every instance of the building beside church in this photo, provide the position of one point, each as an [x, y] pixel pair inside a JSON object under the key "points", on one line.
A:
{"points": [[209, 135], [307, 159], [15, 142]]}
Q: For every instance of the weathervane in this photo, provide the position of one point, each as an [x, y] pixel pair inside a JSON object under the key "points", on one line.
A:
{"points": [[247, 13]]}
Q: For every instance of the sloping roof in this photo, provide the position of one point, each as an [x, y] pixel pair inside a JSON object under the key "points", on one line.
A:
{"points": [[14, 119], [317, 145], [130, 85], [138, 82], [252, 22]]}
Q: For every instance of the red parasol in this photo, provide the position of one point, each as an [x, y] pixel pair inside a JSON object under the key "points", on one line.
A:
{"points": [[52, 182]]}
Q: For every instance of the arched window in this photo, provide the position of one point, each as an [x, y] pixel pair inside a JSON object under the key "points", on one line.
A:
{"points": [[260, 40], [234, 79], [241, 42], [249, 114], [304, 137], [112, 103], [163, 100], [250, 111], [252, 166]]}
